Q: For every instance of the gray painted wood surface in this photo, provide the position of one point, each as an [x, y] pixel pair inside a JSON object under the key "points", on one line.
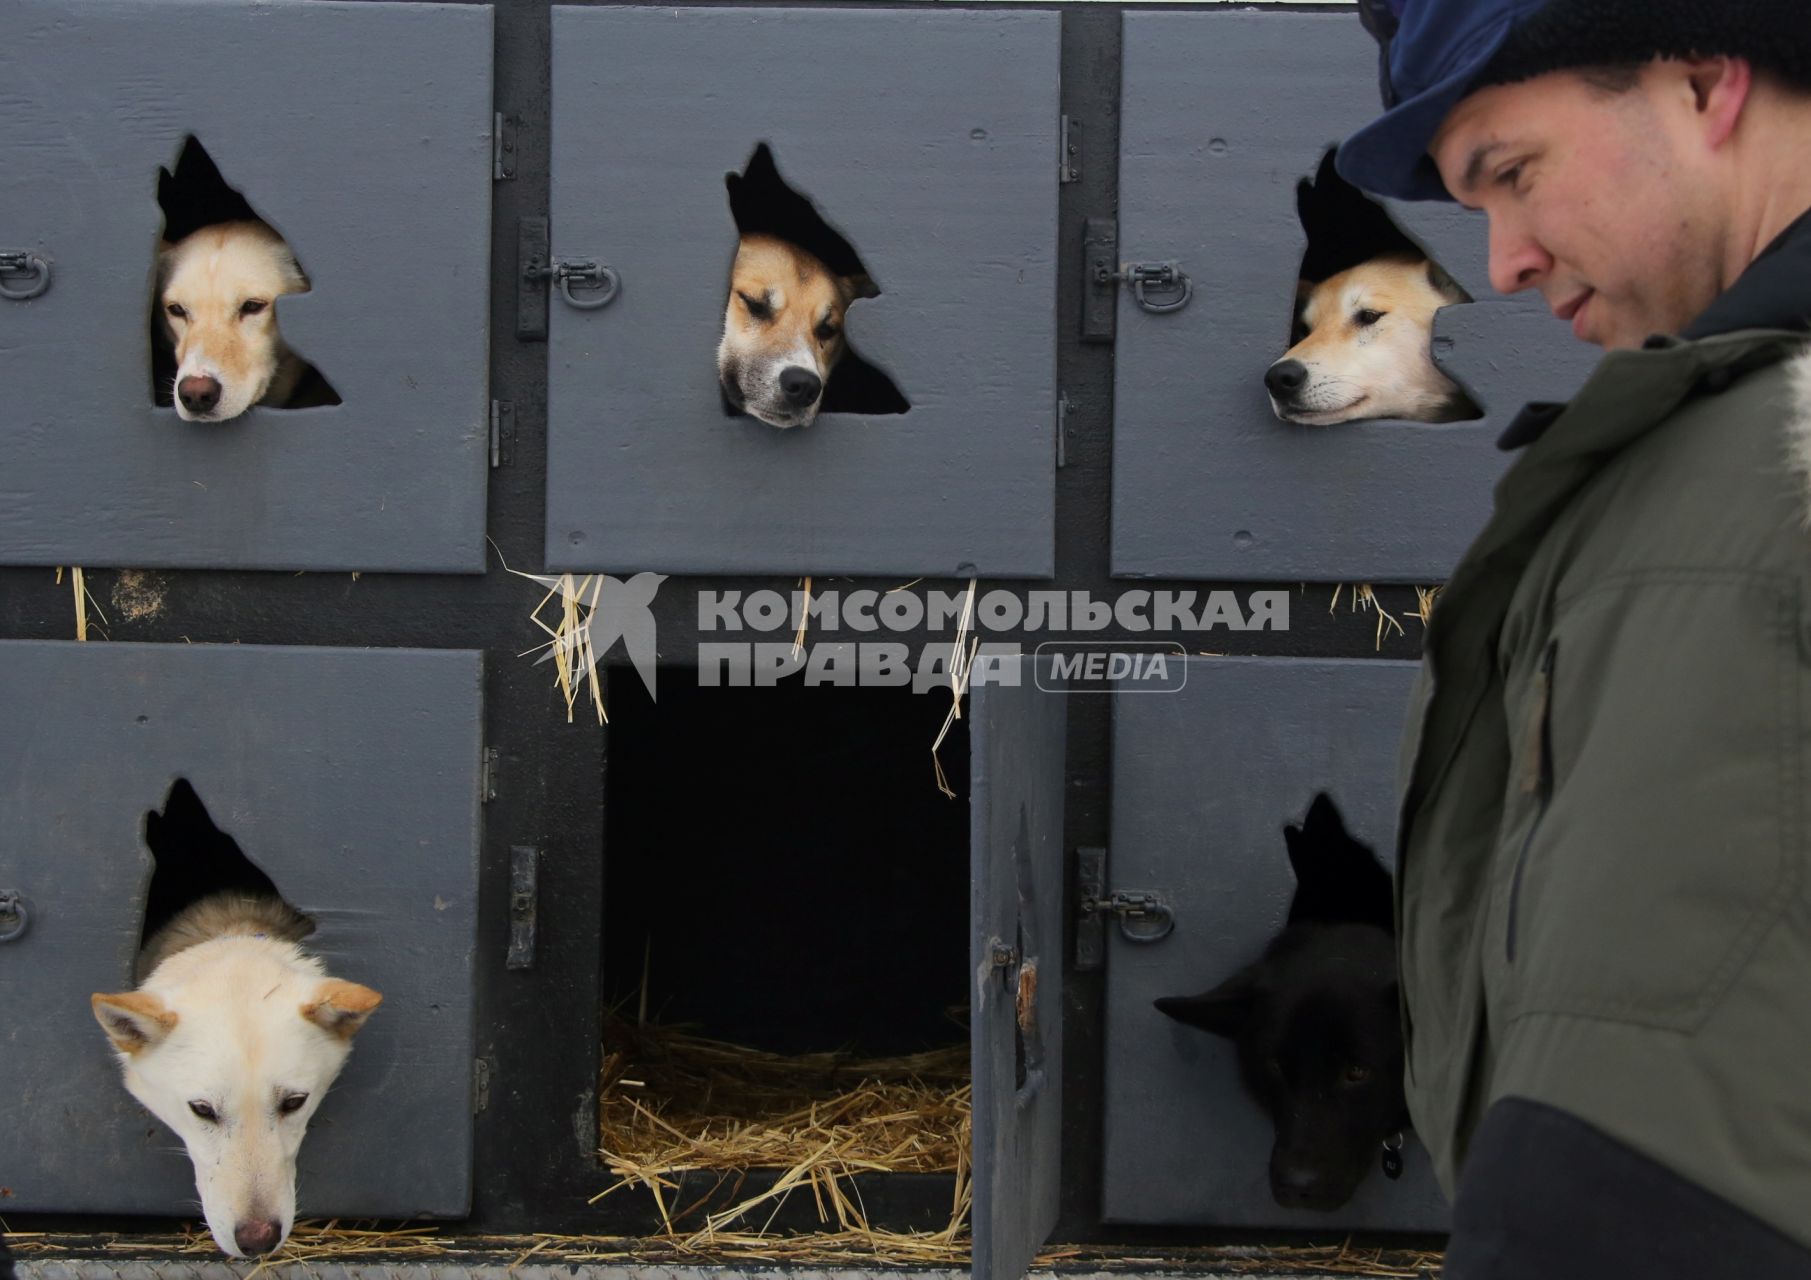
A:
{"points": [[929, 141], [362, 133], [1019, 737], [350, 778], [1222, 114], [1203, 781]]}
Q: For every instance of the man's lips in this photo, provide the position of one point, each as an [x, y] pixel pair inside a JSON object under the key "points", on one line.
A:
{"points": [[1572, 308]]}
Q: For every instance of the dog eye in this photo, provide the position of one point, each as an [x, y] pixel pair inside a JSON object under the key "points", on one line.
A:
{"points": [[825, 332], [757, 307], [1357, 1073], [292, 1103], [206, 1112], [1368, 318], [175, 309], [252, 306]]}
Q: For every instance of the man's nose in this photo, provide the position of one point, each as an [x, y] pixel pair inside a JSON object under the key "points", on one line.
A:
{"points": [[1517, 260]]}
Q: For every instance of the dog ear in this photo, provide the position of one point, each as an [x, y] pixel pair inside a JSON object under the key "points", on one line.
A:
{"points": [[1223, 1010], [341, 1007], [860, 285], [133, 1020], [1444, 284]]}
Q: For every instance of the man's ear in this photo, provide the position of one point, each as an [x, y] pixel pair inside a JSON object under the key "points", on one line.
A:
{"points": [[1720, 89], [341, 1007], [1223, 1011], [133, 1020]]}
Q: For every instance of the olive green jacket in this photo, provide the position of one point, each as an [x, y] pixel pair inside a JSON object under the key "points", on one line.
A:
{"points": [[1602, 891]]}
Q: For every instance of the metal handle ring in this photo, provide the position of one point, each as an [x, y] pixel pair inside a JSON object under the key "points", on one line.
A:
{"points": [[1157, 922], [608, 285], [11, 904], [34, 268], [1180, 301]]}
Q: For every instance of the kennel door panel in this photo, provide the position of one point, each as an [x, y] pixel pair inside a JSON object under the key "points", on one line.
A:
{"points": [[928, 140], [361, 131], [1018, 727], [350, 777], [1203, 780], [1222, 113]]}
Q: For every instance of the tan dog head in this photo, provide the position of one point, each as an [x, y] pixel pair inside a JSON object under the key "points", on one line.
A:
{"points": [[782, 330], [1364, 348], [232, 1043], [217, 296]]}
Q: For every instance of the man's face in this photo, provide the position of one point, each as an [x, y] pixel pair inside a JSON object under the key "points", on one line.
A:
{"points": [[1605, 202]]}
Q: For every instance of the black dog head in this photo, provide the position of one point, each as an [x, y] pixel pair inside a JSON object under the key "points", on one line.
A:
{"points": [[1315, 1019]]}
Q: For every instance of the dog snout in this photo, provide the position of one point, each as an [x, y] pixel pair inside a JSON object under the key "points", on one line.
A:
{"points": [[1285, 378], [199, 394], [258, 1235], [800, 386], [1303, 1187]]}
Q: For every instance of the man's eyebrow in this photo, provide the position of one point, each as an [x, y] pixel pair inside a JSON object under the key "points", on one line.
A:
{"points": [[1474, 168]]}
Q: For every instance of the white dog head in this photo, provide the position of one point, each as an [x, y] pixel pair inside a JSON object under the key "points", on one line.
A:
{"points": [[232, 1043], [217, 295], [1364, 348]]}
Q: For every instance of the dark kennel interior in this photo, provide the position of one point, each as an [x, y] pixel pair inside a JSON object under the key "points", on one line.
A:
{"points": [[193, 859], [780, 869]]}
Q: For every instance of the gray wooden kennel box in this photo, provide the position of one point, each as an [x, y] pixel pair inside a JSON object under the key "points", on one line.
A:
{"points": [[1203, 780], [350, 778], [1205, 773], [361, 131], [929, 141], [1221, 114]]}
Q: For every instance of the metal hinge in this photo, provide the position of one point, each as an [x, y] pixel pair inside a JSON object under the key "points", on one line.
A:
{"points": [[502, 147], [487, 775], [1069, 163], [480, 1085], [1143, 915], [1062, 429], [502, 432], [524, 892]]}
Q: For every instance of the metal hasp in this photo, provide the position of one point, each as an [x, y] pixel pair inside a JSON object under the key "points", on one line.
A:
{"points": [[1148, 279], [1143, 915], [15, 264], [1100, 261], [14, 918], [524, 864], [537, 265]]}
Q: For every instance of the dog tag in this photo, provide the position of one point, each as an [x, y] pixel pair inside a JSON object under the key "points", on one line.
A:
{"points": [[1392, 1157]]}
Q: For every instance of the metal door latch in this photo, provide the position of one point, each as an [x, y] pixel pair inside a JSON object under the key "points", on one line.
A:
{"points": [[14, 918], [1143, 915], [1150, 279], [18, 263], [600, 282]]}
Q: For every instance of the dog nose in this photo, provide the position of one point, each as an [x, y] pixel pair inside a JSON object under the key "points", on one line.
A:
{"points": [[257, 1236], [1297, 1186], [1286, 377], [801, 386], [199, 395]]}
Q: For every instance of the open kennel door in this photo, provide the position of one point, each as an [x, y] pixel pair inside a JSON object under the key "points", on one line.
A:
{"points": [[1018, 729]]}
